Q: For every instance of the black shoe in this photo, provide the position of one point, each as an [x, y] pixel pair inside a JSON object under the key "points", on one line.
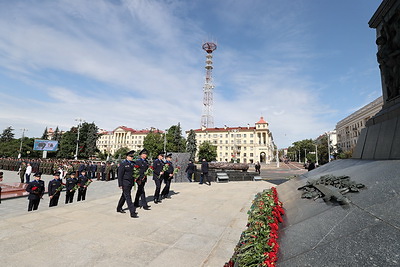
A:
{"points": [[134, 215], [147, 208], [121, 211]]}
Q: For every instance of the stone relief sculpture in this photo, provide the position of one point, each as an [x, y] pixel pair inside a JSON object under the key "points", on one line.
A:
{"points": [[388, 55]]}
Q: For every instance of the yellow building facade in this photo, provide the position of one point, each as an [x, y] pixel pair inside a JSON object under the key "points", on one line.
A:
{"points": [[240, 144], [110, 141]]}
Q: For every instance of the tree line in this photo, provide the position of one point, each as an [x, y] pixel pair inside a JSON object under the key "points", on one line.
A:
{"points": [[154, 142]]}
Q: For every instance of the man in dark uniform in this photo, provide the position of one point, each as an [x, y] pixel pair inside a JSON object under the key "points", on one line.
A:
{"points": [[125, 183], [204, 172], [158, 165], [54, 189], [70, 189], [141, 181], [168, 176], [190, 169], [83, 182], [36, 191]]}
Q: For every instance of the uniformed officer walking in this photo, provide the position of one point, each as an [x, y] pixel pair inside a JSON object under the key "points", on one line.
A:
{"points": [[168, 176], [83, 182], [125, 183], [70, 189], [140, 198], [158, 165], [36, 191], [54, 189]]}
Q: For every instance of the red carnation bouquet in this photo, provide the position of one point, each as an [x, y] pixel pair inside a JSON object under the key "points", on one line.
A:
{"points": [[176, 170], [149, 171]]}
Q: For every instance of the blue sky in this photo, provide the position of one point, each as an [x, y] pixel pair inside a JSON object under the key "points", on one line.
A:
{"points": [[304, 65]]}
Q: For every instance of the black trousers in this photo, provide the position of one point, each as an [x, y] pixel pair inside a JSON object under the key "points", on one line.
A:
{"points": [[69, 197], [158, 183], [81, 193], [126, 197], [54, 200], [33, 204], [140, 198], [165, 190]]}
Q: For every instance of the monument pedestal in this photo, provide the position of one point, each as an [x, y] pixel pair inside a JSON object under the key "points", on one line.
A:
{"points": [[380, 139]]}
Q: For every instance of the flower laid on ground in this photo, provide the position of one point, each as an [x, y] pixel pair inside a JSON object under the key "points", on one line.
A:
{"points": [[149, 171], [258, 244]]}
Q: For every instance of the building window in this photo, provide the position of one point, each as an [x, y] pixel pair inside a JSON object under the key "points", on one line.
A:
{"points": [[251, 135], [251, 154], [251, 141], [244, 135]]}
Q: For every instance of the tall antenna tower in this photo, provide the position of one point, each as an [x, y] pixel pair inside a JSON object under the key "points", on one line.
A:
{"points": [[207, 119]]}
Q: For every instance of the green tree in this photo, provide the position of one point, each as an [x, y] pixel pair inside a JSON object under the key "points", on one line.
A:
{"points": [[57, 135], [67, 144], [90, 136], [191, 146], [44, 135], [154, 143], [121, 152], [207, 151], [304, 147], [7, 134], [175, 141]]}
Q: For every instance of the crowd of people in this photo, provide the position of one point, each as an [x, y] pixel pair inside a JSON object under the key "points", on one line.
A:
{"points": [[76, 176], [99, 170]]}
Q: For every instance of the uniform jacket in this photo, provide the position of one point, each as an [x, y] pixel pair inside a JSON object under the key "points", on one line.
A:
{"points": [[53, 185], [35, 193], [70, 183], [125, 173], [82, 180], [169, 171], [158, 166], [143, 165]]}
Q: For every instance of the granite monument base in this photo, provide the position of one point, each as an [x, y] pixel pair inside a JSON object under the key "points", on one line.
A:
{"points": [[365, 232]]}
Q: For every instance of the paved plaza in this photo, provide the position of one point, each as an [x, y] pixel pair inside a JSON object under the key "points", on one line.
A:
{"points": [[199, 226]]}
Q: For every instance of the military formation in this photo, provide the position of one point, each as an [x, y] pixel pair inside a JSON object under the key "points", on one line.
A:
{"points": [[104, 171]]}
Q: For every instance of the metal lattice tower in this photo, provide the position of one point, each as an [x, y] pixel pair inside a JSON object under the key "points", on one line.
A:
{"points": [[207, 119]]}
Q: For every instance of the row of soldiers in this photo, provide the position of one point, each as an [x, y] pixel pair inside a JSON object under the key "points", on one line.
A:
{"points": [[104, 171], [36, 189], [133, 171]]}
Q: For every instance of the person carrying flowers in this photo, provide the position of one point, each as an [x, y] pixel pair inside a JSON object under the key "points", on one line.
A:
{"points": [[36, 191], [168, 176], [83, 182], [158, 173], [140, 198], [71, 187], [54, 189]]}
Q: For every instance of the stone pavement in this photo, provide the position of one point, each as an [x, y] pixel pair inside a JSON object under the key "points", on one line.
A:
{"points": [[199, 226]]}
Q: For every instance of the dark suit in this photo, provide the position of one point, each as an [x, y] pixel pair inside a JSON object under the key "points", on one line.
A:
{"points": [[36, 191], [125, 180], [167, 179], [158, 166], [52, 190], [70, 184], [190, 169], [141, 181], [204, 172]]}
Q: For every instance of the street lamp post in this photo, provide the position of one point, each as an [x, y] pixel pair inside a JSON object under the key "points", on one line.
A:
{"points": [[20, 146], [329, 146], [305, 156], [299, 155], [316, 154], [165, 141], [77, 140]]}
